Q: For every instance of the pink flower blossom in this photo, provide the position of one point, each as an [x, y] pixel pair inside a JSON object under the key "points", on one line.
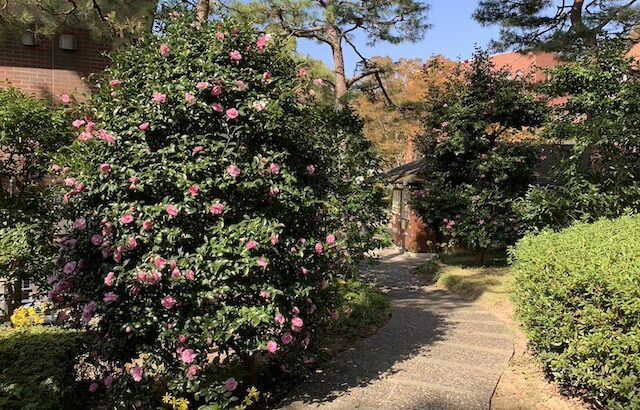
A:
{"points": [[266, 75], [110, 297], [80, 224], [302, 72], [144, 126], [318, 248], [311, 169], [93, 387], [105, 136], [160, 262], [220, 36], [79, 187], [168, 302], [217, 107], [194, 190], [192, 372], [235, 56], [136, 373], [304, 271], [259, 105], [334, 315], [279, 319], [201, 85], [262, 41], [108, 381], [187, 356], [264, 294], [197, 149], [105, 168], [114, 83], [171, 210], [231, 384], [241, 85], [272, 346], [88, 311], [331, 239], [109, 279], [126, 219], [216, 90], [70, 181], [78, 123], [85, 136], [318, 82], [159, 98], [232, 113], [65, 99], [132, 243], [137, 404], [216, 209], [233, 170], [275, 238], [175, 273], [147, 225], [96, 240], [70, 267], [296, 324], [189, 275], [249, 245], [91, 126], [287, 338], [165, 50], [313, 93], [189, 98], [262, 262]]}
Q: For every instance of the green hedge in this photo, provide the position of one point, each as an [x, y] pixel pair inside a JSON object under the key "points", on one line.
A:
{"points": [[36, 369], [578, 296]]}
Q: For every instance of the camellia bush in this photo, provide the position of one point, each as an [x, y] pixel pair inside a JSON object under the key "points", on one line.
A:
{"points": [[204, 229]]}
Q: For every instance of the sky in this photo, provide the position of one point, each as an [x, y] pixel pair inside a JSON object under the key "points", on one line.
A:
{"points": [[453, 34]]}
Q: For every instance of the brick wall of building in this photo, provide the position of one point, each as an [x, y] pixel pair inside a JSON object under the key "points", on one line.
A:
{"points": [[47, 71]]}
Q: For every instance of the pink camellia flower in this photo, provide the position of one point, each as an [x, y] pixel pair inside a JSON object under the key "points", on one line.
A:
{"points": [[318, 82], [79, 187], [136, 373], [302, 72], [296, 324], [279, 319], [259, 105], [160, 262], [231, 384], [334, 315], [182, 339], [194, 190], [88, 311], [80, 224], [105, 136], [93, 387], [241, 85], [262, 41], [78, 123], [313, 93], [304, 271], [65, 99], [192, 372], [331, 239], [85, 136], [171, 210], [274, 168], [262, 262], [220, 36], [105, 168], [318, 248], [109, 279], [147, 225], [235, 56], [189, 275], [110, 297], [91, 126], [249, 245], [311, 169], [264, 294], [165, 50], [108, 381], [232, 113], [197, 149], [175, 273], [132, 243], [217, 107], [96, 240], [275, 238], [287, 338], [266, 75], [187, 356], [70, 181], [189, 98], [217, 209], [114, 83], [201, 85], [144, 126], [168, 302], [137, 404], [159, 98], [70, 267], [216, 90], [126, 219], [272, 346], [233, 170]]}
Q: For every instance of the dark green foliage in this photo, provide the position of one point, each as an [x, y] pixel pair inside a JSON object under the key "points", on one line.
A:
{"points": [[472, 173], [578, 296], [363, 308], [36, 369], [602, 118], [429, 270]]}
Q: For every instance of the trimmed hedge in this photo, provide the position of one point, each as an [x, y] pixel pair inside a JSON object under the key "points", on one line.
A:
{"points": [[578, 296]]}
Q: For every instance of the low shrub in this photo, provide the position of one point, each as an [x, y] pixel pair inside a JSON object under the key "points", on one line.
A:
{"points": [[578, 296], [363, 308], [37, 368], [429, 270]]}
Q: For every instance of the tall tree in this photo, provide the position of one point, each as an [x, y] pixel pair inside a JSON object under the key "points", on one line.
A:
{"points": [[558, 25], [336, 22]]}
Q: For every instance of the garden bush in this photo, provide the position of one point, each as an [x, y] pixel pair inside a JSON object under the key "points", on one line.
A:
{"points": [[205, 206], [37, 369], [578, 296]]}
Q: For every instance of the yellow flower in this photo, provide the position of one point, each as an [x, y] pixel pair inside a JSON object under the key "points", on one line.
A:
{"points": [[24, 317], [253, 393], [166, 399]]}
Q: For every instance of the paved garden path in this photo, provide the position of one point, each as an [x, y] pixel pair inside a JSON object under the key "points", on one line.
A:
{"points": [[436, 352]]}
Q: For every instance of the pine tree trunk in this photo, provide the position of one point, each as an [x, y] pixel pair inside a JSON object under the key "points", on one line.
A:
{"points": [[338, 65], [202, 13]]}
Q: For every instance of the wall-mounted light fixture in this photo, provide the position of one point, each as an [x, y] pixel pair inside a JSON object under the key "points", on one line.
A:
{"points": [[67, 42], [28, 39]]}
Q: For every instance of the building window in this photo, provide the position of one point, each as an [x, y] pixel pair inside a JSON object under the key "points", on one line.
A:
{"points": [[405, 203], [26, 292]]}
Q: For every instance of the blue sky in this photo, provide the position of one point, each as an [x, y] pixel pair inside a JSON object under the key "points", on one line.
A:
{"points": [[453, 34]]}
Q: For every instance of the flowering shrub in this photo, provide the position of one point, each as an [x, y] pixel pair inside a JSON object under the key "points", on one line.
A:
{"points": [[472, 174], [203, 221], [25, 317]]}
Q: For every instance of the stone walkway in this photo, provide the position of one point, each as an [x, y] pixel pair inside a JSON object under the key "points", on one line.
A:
{"points": [[436, 352]]}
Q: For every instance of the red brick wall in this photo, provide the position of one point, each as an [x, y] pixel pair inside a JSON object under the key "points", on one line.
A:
{"points": [[47, 71]]}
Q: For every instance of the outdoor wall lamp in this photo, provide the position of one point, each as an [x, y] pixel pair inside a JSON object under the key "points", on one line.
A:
{"points": [[67, 42], [28, 39]]}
